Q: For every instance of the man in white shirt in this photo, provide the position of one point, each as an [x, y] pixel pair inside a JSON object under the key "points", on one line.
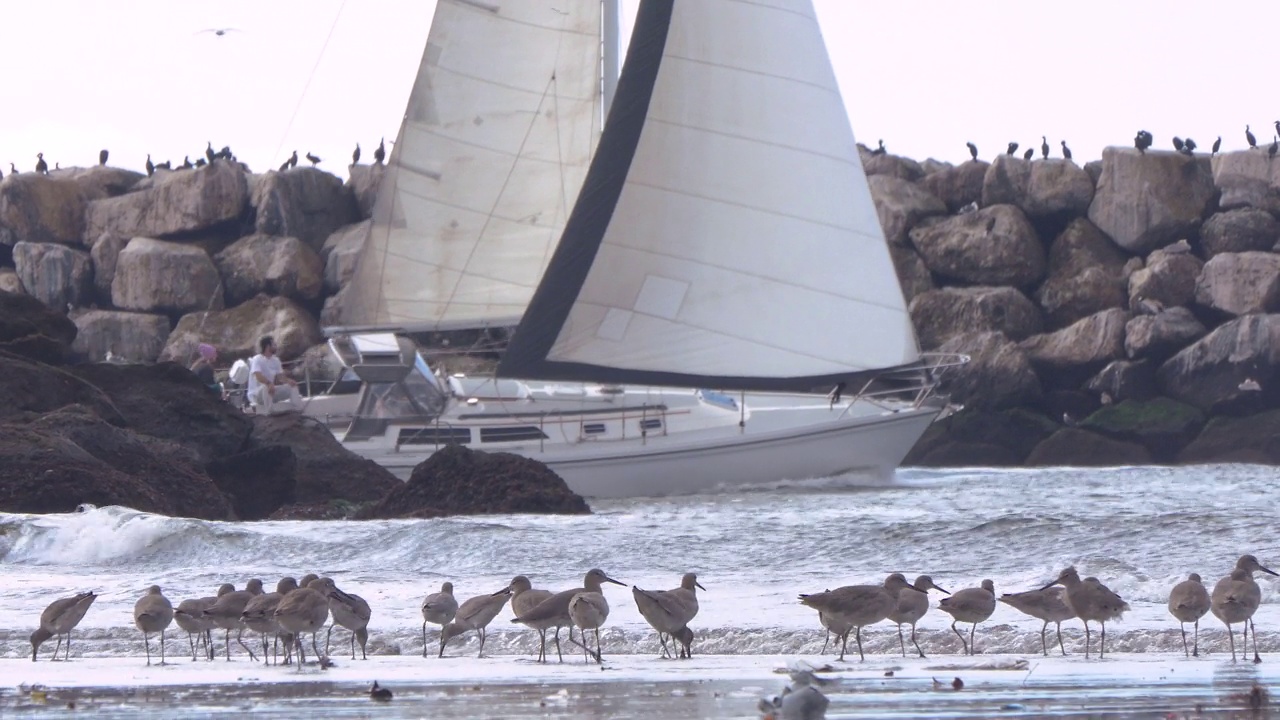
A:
{"points": [[267, 382]]}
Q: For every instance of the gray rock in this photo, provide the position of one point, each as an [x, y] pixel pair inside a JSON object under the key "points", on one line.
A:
{"points": [[10, 282], [271, 265], [899, 167], [1208, 374], [1041, 188], [957, 186], [176, 204], [1247, 179], [1168, 278], [236, 331], [913, 275], [105, 253], [342, 251], [939, 315], [1093, 169], [1086, 275], [363, 185], [1124, 380], [901, 205], [167, 277], [304, 202], [100, 182], [931, 166], [54, 274], [998, 374], [993, 246], [1081, 448], [1158, 336], [1093, 341], [1145, 201], [135, 337], [1239, 230], [1240, 283], [40, 209]]}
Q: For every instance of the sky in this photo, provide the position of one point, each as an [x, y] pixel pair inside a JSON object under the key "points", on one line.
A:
{"points": [[139, 76]]}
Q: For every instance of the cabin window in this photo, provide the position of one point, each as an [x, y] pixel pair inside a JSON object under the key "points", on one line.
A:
{"points": [[651, 424], [434, 436], [511, 434], [593, 429]]}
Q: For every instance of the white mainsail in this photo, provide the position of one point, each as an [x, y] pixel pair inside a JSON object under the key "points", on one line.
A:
{"points": [[726, 234], [500, 129]]}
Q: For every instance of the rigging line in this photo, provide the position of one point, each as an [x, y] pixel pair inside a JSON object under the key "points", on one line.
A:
{"points": [[311, 76]]}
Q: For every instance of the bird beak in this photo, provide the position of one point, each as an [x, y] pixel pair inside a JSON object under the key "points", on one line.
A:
{"points": [[503, 591], [1269, 572], [1046, 587], [698, 585], [615, 582], [947, 592]]}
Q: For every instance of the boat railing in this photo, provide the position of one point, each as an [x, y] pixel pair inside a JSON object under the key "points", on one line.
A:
{"points": [[920, 381]]}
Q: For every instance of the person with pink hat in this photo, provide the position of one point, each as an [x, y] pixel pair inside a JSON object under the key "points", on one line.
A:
{"points": [[203, 367]]}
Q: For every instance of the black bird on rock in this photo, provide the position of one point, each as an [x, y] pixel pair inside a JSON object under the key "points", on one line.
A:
{"points": [[293, 159], [151, 168], [355, 156], [1142, 141], [12, 169], [1278, 126], [973, 150], [164, 166], [1249, 138], [880, 150], [284, 166], [312, 159], [1177, 143], [1030, 153], [1189, 146], [200, 162], [1044, 147], [1271, 151], [186, 162], [42, 167], [1013, 148], [102, 157], [381, 153], [225, 153], [1216, 144], [209, 154], [1066, 151]]}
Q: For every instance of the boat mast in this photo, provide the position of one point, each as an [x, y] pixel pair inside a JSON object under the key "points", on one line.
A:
{"points": [[611, 38]]}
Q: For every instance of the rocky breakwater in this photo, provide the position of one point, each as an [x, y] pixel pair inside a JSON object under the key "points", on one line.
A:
{"points": [[1126, 311]]}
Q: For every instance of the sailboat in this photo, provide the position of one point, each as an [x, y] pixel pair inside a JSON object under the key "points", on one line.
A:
{"points": [[702, 294]]}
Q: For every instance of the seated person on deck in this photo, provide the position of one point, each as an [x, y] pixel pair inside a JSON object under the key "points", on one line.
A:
{"points": [[268, 384]]}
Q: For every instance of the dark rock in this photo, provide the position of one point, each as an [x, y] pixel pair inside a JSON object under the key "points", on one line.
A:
{"points": [[459, 481], [1069, 406], [1086, 275], [939, 315], [30, 328], [258, 482], [30, 387], [363, 182], [957, 186], [1161, 335], [1147, 201], [1209, 373], [998, 374], [168, 277], [172, 204], [333, 510], [1239, 231], [326, 471], [1125, 380], [913, 274], [1161, 425], [1080, 448], [1250, 439], [1239, 283], [993, 246], [979, 437], [1093, 169]]}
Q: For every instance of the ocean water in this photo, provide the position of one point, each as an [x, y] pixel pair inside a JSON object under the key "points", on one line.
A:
{"points": [[1140, 530]]}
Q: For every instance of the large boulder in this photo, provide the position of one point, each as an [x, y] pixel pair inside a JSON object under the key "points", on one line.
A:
{"points": [[1211, 374], [342, 251], [175, 204], [363, 183], [39, 209], [167, 277], [325, 471], [456, 480], [913, 275], [1239, 230], [1145, 201], [957, 186], [1087, 344], [1074, 447], [10, 282], [1086, 275], [57, 275], [1161, 425], [983, 438], [305, 203], [1248, 178], [895, 165], [272, 265], [128, 336], [257, 482], [236, 331], [100, 181], [30, 387], [105, 253], [901, 205], [1041, 188], [1168, 278], [939, 315], [1226, 439], [33, 330], [993, 246], [1159, 336], [1240, 283], [1124, 380], [998, 374]]}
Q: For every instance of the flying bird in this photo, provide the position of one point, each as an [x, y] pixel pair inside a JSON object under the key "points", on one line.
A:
{"points": [[219, 31]]}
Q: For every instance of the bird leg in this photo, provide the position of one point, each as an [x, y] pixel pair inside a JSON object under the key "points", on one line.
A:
{"points": [[557, 638], [1195, 648], [825, 640], [162, 646], [1044, 644], [1231, 638], [1256, 657], [542, 648], [317, 649], [1086, 639], [662, 638], [901, 645], [1060, 645], [1102, 644], [481, 632], [600, 654], [844, 644], [302, 653], [960, 635], [66, 654], [424, 638], [147, 644], [56, 648], [191, 640], [441, 642], [914, 641], [1185, 650], [328, 636], [857, 634], [972, 629]]}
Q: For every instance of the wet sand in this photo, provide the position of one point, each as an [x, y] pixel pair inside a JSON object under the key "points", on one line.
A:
{"points": [[1124, 686]]}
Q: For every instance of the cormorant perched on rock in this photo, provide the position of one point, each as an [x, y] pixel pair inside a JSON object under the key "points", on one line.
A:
{"points": [[102, 157], [1278, 126], [1248, 136], [1142, 141], [1066, 151], [355, 156], [12, 169], [186, 162], [200, 162], [225, 153], [209, 154], [1177, 143], [1013, 148], [42, 167], [285, 166], [1216, 144], [164, 166], [381, 153], [1044, 146], [151, 169], [1271, 151], [1189, 146], [880, 149], [312, 159], [973, 150], [1030, 153], [293, 159]]}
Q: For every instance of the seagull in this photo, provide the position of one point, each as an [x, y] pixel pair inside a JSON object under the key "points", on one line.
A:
{"points": [[219, 31]]}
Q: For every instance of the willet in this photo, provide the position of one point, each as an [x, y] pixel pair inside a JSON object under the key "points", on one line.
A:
{"points": [[1048, 605], [259, 613], [59, 619], [189, 616], [153, 613], [589, 610], [525, 598], [857, 605], [475, 614], [554, 611], [669, 610], [833, 626], [685, 637], [1236, 598], [438, 608], [351, 612], [971, 605], [1188, 602], [913, 603], [1089, 599], [304, 610], [226, 611]]}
